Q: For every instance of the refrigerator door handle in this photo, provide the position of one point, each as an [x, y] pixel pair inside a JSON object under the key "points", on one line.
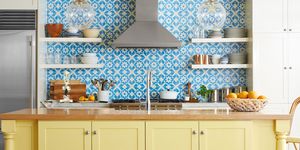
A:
{"points": [[32, 52]]}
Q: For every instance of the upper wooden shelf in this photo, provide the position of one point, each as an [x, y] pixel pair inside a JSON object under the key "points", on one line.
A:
{"points": [[220, 40], [72, 40], [71, 66]]}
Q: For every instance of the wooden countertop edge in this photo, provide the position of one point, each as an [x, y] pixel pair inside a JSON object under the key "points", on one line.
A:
{"points": [[142, 117]]}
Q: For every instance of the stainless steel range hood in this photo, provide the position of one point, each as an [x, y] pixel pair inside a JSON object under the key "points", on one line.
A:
{"points": [[146, 32]]}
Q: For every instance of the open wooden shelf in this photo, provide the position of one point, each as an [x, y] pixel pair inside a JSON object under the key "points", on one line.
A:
{"points": [[71, 66], [220, 66], [220, 40], [72, 40]]}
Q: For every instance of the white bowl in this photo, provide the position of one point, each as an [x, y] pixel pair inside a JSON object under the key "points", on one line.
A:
{"points": [[91, 33], [169, 95], [89, 58], [89, 62], [89, 55]]}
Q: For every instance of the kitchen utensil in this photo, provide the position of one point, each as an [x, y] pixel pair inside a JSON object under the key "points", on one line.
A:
{"points": [[224, 60], [168, 95], [54, 30], [103, 96], [205, 59], [223, 93], [215, 96], [216, 59], [197, 59], [91, 33], [235, 33]]}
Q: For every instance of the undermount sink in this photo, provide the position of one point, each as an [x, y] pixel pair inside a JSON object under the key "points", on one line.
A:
{"points": [[56, 105]]}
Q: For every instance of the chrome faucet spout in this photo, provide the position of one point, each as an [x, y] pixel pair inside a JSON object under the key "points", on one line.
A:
{"points": [[148, 99]]}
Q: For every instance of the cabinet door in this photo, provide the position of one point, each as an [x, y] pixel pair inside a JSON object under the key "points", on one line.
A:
{"points": [[171, 135], [18, 4], [269, 75], [230, 135], [269, 15], [118, 135], [294, 15], [64, 135], [294, 65]]}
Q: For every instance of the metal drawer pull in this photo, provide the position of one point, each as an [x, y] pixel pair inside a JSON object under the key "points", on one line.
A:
{"points": [[290, 68], [202, 133], [284, 29], [87, 132], [195, 132], [95, 132]]}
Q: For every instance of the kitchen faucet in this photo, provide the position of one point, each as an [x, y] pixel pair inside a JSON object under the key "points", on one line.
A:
{"points": [[148, 99]]}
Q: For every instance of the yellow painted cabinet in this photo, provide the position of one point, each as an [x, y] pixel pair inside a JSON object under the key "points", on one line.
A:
{"points": [[64, 135], [225, 135], [118, 135], [172, 135]]}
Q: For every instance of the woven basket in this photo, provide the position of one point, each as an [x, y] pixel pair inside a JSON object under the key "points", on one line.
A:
{"points": [[246, 105]]}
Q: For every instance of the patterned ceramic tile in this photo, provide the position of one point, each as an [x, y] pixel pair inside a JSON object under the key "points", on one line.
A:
{"points": [[128, 66]]}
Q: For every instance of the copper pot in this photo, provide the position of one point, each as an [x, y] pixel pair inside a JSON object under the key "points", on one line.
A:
{"points": [[54, 30], [197, 59]]}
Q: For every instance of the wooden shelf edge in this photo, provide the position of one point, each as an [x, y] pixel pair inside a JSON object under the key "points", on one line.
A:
{"points": [[225, 66], [71, 40], [219, 40], [70, 66]]}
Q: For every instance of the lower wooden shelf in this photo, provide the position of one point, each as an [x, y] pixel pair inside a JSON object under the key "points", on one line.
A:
{"points": [[220, 66]]}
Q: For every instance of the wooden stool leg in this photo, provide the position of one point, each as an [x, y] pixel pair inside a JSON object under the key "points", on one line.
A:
{"points": [[281, 140]]}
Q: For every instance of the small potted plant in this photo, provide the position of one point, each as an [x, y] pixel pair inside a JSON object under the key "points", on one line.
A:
{"points": [[204, 93]]}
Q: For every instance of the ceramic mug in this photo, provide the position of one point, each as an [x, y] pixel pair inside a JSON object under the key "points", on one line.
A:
{"points": [[216, 59], [103, 96]]}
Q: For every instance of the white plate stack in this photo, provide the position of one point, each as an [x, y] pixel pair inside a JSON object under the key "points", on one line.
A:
{"points": [[235, 33], [238, 58], [89, 58]]}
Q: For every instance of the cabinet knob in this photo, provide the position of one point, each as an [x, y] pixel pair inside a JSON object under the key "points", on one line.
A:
{"points": [[284, 30], [290, 30], [290, 67], [95, 132], [87, 132], [284, 68], [195, 132], [202, 132]]}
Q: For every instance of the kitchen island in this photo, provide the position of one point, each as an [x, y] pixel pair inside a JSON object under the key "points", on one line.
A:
{"points": [[109, 129]]}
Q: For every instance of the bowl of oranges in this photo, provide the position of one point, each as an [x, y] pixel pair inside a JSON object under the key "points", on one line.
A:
{"points": [[246, 101]]}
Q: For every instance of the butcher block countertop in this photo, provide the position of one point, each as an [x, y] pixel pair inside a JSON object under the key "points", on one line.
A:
{"points": [[111, 114]]}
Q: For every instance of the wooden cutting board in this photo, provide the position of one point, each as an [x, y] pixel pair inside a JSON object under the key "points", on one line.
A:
{"points": [[78, 89]]}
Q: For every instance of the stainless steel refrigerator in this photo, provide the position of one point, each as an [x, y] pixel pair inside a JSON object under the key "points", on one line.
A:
{"points": [[17, 60]]}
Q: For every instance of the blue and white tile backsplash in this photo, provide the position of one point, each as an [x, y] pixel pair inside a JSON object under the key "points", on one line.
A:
{"points": [[128, 66]]}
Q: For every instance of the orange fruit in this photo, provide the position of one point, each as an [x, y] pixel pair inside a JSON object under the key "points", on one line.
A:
{"points": [[81, 98], [262, 97], [252, 95], [231, 95], [243, 95], [92, 98]]}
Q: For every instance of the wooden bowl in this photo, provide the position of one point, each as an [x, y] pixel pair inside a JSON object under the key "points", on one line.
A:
{"points": [[54, 30]]}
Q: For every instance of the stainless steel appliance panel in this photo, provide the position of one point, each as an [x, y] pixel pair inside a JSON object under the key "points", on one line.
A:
{"points": [[17, 70]]}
